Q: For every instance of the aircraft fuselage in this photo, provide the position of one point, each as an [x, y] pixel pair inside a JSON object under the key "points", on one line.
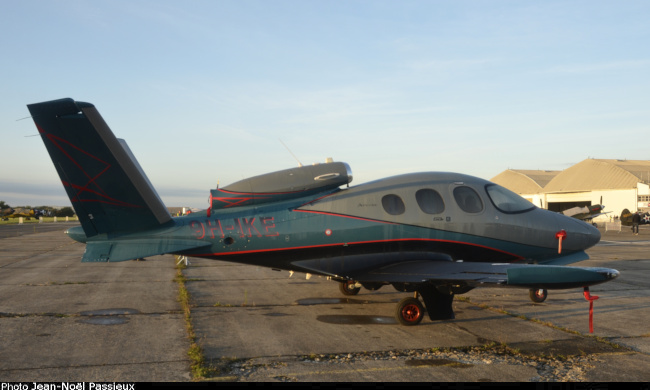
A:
{"points": [[385, 219]]}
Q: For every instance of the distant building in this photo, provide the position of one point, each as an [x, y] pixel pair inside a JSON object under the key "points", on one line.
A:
{"points": [[617, 184], [529, 184]]}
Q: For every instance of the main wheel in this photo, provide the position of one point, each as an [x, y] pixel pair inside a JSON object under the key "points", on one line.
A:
{"points": [[409, 311], [348, 287], [538, 295]]}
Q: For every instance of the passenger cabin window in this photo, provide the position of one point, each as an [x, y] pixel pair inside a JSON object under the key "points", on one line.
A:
{"points": [[430, 201], [393, 204], [507, 201], [468, 200]]}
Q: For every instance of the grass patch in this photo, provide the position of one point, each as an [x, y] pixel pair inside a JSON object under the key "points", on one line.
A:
{"points": [[14, 221], [195, 353]]}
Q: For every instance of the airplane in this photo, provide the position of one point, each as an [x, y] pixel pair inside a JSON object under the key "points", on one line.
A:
{"points": [[626, 218], [5, 214], [12, 213], [433, 234], [586, 213]]}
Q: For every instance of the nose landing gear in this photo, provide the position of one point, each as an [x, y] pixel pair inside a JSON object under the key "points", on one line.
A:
{"points": [[538, 295]]}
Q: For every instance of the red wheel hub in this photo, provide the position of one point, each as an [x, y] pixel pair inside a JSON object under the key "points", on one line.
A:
{"points": [[411, 313]]}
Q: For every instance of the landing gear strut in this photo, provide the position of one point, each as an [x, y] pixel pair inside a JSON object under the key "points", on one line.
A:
{"points": [[410, 311]]}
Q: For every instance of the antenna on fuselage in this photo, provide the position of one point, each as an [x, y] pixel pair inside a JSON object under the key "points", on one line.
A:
{"points": [[289, 150]]}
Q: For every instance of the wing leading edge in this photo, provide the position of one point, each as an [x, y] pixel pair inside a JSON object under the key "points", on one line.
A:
{"points": [[482, 274]]}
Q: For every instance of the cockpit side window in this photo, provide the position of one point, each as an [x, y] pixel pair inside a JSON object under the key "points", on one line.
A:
{"points": [[430, 201], [468, 200], [507, 201], [393, 204]]}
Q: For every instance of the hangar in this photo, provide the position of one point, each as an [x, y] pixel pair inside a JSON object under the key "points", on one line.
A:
{"points": [[617, 184], [529, 184]]}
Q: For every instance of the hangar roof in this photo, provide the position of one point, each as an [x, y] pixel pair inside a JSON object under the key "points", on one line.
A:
{"points": [[598, 174], [524, 181]]}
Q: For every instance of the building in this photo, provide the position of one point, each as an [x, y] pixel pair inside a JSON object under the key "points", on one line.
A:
{"points": [[528, 184], [617, 184]]}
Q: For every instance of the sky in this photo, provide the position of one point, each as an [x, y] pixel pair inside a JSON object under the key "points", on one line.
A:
{"points": [[207, 92]]}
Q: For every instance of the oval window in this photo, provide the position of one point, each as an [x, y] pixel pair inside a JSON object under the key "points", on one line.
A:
{"points": [[468, 200], [393, 204], [430, 201]]}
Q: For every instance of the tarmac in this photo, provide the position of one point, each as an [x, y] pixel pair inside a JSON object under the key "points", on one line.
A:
{"points": [[63, 320]]}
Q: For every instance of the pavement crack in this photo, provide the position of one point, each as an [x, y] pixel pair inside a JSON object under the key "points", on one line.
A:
{"points": [[92, 365]]}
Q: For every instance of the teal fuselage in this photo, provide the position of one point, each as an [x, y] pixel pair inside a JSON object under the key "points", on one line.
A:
{"points": [[342, 232]]}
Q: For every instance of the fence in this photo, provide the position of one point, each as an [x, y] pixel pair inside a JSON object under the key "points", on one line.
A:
{"points": [[613, 226]]}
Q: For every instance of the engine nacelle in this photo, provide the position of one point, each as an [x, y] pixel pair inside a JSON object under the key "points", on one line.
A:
{"points": [[281, 185]]}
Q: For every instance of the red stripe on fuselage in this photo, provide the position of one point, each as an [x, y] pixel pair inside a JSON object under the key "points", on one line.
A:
{"points": [[220, 254], [346, 216]]}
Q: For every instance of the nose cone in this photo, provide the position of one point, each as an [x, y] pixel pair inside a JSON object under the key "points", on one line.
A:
{"points": [[593, 236], [580, 235]]}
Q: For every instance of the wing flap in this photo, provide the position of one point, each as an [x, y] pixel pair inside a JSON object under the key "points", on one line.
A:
{"points": [[441, 271]]}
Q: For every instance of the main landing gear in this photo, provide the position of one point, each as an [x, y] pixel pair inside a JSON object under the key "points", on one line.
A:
{"points": [[349, 287], [410, 311]]}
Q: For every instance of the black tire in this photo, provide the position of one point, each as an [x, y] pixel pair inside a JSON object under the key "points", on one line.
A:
{"points": [[538, 295], [409, 311], [348, 287]]}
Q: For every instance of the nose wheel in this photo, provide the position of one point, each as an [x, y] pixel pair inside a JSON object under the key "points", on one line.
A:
{"points": [[538, 295]]}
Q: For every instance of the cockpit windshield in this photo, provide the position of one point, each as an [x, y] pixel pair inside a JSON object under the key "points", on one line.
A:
{"points": [[507, 201]]}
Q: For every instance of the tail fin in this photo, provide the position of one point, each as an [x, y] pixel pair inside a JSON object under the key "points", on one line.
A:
{"points": [[107, 187]]}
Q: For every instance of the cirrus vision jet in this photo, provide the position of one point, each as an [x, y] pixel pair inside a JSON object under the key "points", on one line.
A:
{"points": [[433, 234]]}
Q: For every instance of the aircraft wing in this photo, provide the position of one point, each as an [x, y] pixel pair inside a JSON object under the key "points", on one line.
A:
{"points": [[486, 274], [592, 216], [436, 269]]}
